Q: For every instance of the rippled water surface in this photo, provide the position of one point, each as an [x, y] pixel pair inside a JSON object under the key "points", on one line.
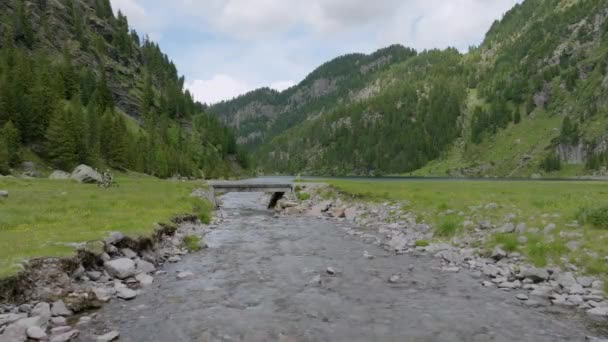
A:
{"points": [[259, 281]]}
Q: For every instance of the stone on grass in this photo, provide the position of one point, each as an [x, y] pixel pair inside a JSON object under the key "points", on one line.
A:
{"points": [[111, 336], [86, 174], [549, 228], [59, 309], [507, 228], [59, 175], [121, 268], [3, 193]]}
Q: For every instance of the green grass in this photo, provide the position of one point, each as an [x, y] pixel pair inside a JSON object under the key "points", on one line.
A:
{"points": [[303, 196], [535, 203], [192, 243], [40, 216], [421, 243]]}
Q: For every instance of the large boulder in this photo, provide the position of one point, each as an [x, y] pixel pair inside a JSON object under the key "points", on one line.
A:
{"points": [[121, 268], [59, 175], [86, 174]]}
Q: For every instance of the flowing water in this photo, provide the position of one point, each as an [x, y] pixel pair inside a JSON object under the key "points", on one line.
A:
{"points": [[264, 279]]}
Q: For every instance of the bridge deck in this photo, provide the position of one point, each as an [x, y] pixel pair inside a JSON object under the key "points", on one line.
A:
{"points": [[250, 187]]}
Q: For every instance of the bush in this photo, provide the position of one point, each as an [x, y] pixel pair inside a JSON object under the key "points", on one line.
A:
{"points": [[447, 228], [421, 243], [303, 196], [192, 243], [551, 163], [597, 217], [203, 209]]}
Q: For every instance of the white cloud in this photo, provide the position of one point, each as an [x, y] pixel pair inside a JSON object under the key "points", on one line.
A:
{"points": [[219, 87], [232, 46], [282, 85]]}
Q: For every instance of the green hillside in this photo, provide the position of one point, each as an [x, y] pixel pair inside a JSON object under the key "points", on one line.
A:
{"points": [[78, 86], [531, 100]]}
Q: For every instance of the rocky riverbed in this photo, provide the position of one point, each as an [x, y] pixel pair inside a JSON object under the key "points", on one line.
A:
{"points": [[315, 271]]}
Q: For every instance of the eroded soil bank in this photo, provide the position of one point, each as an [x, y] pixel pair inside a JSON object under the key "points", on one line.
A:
{"points": [[301, 278]]}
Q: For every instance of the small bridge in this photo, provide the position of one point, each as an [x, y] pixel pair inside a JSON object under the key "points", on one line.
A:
{"points": [[277, 189]]}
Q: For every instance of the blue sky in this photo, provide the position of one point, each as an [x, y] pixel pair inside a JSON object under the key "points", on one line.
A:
{"points": [[228, 47]]}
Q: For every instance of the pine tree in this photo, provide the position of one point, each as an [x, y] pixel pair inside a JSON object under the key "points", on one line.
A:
{"points": [[23, 27], [4, 158], [12, 141], [61, 145]]}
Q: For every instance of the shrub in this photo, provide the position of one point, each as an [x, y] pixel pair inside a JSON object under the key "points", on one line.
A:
{"points": [[421, 243], [192, 243], [447, 228], [303, 196], [597, 217], [203, 209]]}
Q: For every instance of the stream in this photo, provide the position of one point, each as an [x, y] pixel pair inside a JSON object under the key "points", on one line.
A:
{"points": [[265, 279]]}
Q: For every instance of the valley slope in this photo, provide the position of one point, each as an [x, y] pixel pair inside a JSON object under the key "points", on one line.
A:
{"points": [[531, 100]]}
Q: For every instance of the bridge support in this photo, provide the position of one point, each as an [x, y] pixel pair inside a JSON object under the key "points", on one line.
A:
{"points": [[276, 197]]}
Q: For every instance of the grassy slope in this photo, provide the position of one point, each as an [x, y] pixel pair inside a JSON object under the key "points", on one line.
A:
{"points": [[504, 150], [535, 203], [41, 215]]}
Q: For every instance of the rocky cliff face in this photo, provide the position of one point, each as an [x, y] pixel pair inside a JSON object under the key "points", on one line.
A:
{"points": [[53, 24]]}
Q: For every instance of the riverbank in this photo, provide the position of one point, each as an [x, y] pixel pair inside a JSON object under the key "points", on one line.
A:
{"points": [[52, 218], [522, 237]]}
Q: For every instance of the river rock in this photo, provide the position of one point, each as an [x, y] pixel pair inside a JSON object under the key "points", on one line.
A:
{"points": [[537, 275], [36, 333], [42, 309], [510, 285], [566, 280], [585, 281], [350, 214], [11, 318], [498, 253], [86, 174], [111, 336], [330, 271], [184, 275], [144, 266], [125, 293], [398, 242], [113, 238], [144, 279], [59, 321], [65, 337], [599, 311], [522, 296], [59, 175], [128, 253], [103, 294], [394, 279], [507, 228], [451, 257], [284, 204], [60, 330], [121, 268], [59, 309]]}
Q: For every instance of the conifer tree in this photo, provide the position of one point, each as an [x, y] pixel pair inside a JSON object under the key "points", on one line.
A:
{"points": [[61, 145], [12, 142]]}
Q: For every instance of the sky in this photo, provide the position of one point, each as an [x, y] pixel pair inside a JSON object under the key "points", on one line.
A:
{"points": [[228, 47]]}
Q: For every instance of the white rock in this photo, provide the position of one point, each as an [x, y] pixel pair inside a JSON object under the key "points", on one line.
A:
{"points": [[395, 278], [184, 275], [59, 175], [59, 309], [65, 337], [128, 253], [59, 321], [102, 294], [522, 296], [36, 333], [86, 174], [535, 274], [60, 330], [125, 293], [174, 259], [144, 279], [121, 268], [549, 228], [144, 266], [42, 309], [585, 281], [111, 336], [11, 318], [507, 228], [599, 311], [498, 253], [453, 269], [330, 271]]}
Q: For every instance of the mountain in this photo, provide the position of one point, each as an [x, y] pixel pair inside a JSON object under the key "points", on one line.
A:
{"points": [[531, 99], [262, 114], [78, 86]]}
